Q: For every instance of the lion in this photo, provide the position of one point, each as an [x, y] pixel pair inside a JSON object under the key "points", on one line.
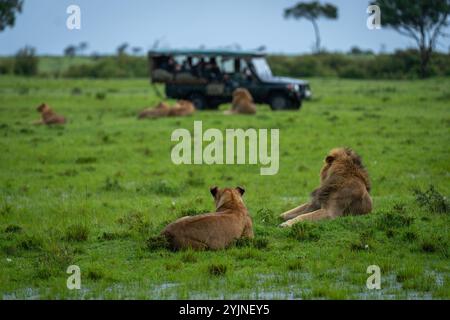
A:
{"points": [[344, 189], [216, 230], [242, 102], [161, 110], [182, 108], [48, 116]]}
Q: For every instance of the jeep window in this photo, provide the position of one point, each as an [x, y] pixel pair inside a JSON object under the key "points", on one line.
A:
{"points": [[227, 66], [261, 68]]}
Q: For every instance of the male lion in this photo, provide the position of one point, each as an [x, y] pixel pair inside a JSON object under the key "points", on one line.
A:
{"points": [[344, 189], [161, 110], [182, 108], [48, 116], [212, 230], [242, 102]]}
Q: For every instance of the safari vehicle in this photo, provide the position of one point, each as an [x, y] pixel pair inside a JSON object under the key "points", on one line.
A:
{"points": [[209, 77]]}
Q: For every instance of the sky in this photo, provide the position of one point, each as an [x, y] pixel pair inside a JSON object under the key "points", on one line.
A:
{"points": [[105, 24]]}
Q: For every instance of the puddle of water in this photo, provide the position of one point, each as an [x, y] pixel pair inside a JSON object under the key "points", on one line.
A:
{"points": [[264, 289]]}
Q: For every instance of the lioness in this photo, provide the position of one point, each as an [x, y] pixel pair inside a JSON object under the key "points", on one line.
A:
{"points": [[161, 110], [48, 116], [182, 108], [344, 189], [242, 102], [212, 230]]}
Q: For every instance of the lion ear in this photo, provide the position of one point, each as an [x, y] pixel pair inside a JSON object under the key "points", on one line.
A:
{"points": [[329, 159], [213, 191], [240, 190]]}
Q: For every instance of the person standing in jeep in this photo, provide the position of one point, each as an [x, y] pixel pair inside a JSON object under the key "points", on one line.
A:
{"points": [[209, 84]]}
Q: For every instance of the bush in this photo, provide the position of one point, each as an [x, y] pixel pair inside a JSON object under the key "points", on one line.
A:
{"points": [[26, 62], [399, 65], [432, 200], [390, 220], [7, 66], [123, 66]]}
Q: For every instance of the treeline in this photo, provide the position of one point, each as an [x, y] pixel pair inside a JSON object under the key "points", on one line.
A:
{"points": [[123, 66], [403, 64]]}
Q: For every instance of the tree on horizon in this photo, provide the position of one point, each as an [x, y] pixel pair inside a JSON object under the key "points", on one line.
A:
{"points": [[312, 11]]}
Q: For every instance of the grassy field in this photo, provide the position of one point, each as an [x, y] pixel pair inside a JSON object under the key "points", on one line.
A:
{"points": [[93, 192]]}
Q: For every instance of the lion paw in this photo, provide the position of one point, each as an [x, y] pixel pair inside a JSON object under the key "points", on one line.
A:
{"points": [[285, 224]]}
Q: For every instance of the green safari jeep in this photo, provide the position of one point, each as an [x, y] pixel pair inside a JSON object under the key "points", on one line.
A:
{"points": [[209, 77]]}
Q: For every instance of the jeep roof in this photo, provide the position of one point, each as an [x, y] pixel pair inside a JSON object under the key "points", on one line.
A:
{"points": [[205, 53]]}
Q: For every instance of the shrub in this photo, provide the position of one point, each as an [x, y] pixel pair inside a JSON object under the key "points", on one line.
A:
{"points": [[7, 66], [389, 220], [432, 200], [26, 62], [399, 65], [111, 67]]}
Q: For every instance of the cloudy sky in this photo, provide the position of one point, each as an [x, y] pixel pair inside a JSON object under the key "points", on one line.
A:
{"points": [[192, 23]]}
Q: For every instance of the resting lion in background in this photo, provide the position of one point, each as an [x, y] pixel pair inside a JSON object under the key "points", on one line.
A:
{"points": [[161, 110], [48, 116], [344, 189], [242, 102], [182, 108], [216, 230]]}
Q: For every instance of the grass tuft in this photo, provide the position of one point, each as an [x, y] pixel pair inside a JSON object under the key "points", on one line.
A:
{"points": [[217, 269], [164, 188], [30, 243], [305, 231], [266, 216], [95, 273], [77, 233], [189, 257], [295, 265], [158, 242], [12, 228], [257, 243]]}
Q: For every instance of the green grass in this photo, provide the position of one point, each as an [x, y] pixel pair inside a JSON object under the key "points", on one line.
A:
{"points": [[96, 193]]}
